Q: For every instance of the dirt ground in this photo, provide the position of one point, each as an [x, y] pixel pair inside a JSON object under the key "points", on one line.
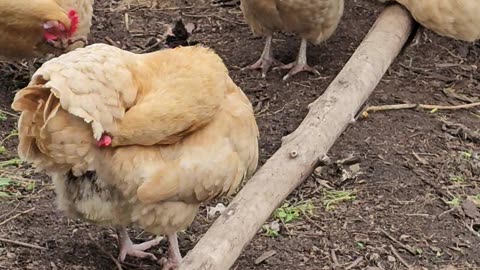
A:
{"points": [[400, 187]]}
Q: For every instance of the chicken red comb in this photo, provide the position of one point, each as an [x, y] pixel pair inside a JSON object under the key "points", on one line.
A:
{"points": [[74, 20], [104, 141]]}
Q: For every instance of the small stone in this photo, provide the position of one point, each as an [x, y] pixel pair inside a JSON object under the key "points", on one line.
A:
{"points": [[391, 258], [355, 168], [275, 226], [212, 211], [470, 209], [374, 257]]}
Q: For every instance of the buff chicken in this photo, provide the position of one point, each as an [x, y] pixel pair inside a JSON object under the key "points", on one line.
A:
{"points": [[38, 28], [138, 139], [314, 20], [458, 19]]}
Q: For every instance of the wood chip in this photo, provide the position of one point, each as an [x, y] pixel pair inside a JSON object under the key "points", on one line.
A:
{"points": [[470, 209], [265, 256]]}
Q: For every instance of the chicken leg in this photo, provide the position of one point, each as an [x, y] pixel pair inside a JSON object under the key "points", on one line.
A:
{"points": [[128, 248], [300, 64], [174, 256], [266, 60]]}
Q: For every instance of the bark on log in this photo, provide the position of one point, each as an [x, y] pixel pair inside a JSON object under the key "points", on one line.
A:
{"points": [[328, 117]]}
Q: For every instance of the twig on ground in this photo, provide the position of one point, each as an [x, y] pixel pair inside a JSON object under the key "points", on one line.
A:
{"points": [[115, 261], [421, 106], [460, 130], [354, 263], [429, 74], [446, 212], [438, 190], [212, 16], [471, 229], [155, 44], [10, 212], [402, 245], [334, 259], [111, 42], [174, 8], [402, 260], [311, 221], [23, 244], [17, 215], [9, 113], [420, 159]]}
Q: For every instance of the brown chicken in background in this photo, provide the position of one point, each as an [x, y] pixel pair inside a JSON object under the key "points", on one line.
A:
{"points": [[37, 28], [314, 20], [138, 139], [458, 19]]}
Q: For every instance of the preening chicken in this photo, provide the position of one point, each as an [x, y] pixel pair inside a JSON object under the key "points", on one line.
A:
{"points": [[458, 19], [36, 28], [139, 139], [313, 20]]}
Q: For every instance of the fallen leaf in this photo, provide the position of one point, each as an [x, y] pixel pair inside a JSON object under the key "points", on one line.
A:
{"points": [[5, 182]]}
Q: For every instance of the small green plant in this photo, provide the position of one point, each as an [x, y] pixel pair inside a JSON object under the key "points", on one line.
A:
{"points": [[10, 162], [288, 213], [334, 197], [30, 186], [269, 231], [3, 117], [457, 179], [2, 149], [466, 154], [11, 188], [361, 245], [454, 202], [4, 183]]}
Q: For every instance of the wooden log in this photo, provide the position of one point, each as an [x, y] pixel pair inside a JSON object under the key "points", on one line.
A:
{"points": [[328, 117]]}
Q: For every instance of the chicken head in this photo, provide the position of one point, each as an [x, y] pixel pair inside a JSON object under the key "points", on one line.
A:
{"points": [[60, 35]]}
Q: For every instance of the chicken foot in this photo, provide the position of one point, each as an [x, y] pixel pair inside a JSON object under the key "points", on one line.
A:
{"points": [[174, 256], [136, 250], [266, 60], [300, 64]]}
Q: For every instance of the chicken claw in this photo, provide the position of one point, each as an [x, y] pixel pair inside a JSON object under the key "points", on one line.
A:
{"points": [[266, 60], [128, 248], [296, 67], [174, 256], [300, 64]]}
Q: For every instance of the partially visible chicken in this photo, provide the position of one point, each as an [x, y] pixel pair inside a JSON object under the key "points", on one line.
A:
{"points": [[84, 10], [37, 28], [138, 139], [179, 34], [313, 20], [458, 19]]}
